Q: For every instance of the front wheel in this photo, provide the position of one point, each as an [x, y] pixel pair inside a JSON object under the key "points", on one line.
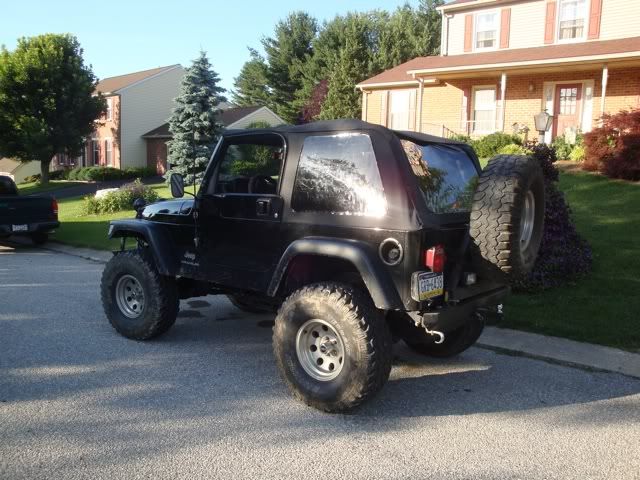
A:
{"points": [[332, 347], [139, 302]]}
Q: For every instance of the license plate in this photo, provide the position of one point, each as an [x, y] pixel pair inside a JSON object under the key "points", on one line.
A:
{"points": [[19, 228], [430, 285]]}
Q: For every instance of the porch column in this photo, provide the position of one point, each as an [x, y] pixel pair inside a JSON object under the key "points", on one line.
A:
{"points": [[605, 79], [365, 105], [419, 109], [503, 93]]}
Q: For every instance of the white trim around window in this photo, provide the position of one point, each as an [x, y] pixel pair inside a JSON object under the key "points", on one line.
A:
{"points": [[109, 112], [95, 152], [573, 11], [484, 15], [108, 152], [482, 104]]}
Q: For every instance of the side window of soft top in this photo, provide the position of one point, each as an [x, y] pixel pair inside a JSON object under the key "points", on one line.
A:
{"points": [[338, 174], [250, 165]]}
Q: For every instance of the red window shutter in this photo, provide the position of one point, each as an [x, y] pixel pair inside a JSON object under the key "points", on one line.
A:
{"points": [[468, 33], [550, 23], [505, 23], [594, 19]]}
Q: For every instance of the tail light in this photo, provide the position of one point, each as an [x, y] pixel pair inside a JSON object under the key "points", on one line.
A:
{"points": [[434, 258], [54, 207]]}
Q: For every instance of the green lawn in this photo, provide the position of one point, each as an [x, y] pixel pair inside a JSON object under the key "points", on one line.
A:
{"points": [[35, 187], [91, 230], [604, 307]]}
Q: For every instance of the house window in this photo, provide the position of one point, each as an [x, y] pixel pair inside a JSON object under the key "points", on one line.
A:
{"points": [[399, 107], [572, 19], [568, 101], [109, 109], [95, 152], [484, 110], [108, 152], [486, 30]]}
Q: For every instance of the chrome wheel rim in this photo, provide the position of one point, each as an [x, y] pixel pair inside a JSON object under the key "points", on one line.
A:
{"points": [[320, 350], [527, 220], [130, 296]]}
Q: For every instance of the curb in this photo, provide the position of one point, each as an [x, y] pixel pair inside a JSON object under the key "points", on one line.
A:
{"points": [[100, 256], [560, 350]]}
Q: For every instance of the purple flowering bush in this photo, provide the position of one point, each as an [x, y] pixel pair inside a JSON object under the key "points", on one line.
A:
{"points": [[564, 256]]}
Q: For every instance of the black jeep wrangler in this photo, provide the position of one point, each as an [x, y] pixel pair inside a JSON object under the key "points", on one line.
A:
{"points": [[355, 234]]}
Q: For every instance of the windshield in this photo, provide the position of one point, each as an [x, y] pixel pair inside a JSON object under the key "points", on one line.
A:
{"points": [[446, 175]]}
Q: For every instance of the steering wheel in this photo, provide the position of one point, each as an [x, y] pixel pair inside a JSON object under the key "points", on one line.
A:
{"points": [[262, 180]]}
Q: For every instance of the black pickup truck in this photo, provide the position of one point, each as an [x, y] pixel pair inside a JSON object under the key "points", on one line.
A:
{"points": [[34, 216]]}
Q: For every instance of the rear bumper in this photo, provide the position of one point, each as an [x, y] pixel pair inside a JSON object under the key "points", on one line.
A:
{"points": [[455, 314], [37, 227]]}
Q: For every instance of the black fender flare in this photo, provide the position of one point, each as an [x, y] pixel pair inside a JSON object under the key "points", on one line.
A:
{"points": [[375, 276], [159, 240]]}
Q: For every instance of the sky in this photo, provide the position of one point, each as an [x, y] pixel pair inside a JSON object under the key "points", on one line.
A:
{"points": [[121, 37]]}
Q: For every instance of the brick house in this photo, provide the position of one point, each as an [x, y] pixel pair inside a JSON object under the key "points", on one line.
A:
{"points": [[231, 117], [503, 61], [136, 102]]}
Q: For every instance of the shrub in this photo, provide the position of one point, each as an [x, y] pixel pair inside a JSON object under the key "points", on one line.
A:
{"points": [[577, 154], [121, 199], [490, 145], [512, 149], [458, 137], [614, 148], [109, 173], [562, 147], [564, 256]]}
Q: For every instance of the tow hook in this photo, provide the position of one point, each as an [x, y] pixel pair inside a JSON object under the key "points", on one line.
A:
{"points": [[435, 333]]}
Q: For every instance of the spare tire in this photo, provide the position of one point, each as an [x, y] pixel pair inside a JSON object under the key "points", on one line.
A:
{"points": [[507, 216]]}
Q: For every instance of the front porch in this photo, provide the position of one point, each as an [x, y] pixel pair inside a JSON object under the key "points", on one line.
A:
{"points": [[465, 95]]}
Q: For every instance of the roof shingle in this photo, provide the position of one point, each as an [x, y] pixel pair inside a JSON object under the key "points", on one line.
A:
{"points": [[113, 84]]}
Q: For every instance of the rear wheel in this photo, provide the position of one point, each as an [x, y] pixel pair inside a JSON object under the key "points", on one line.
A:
{"points": [[454, 343], [332, 347], [139, 302], [507, 217]]}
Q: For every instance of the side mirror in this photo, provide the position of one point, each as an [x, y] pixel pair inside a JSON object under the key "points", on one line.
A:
{"points": [[177, 185]]}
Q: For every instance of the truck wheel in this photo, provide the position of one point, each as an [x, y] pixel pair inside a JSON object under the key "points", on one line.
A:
{"points": [[507, 216], [332, 347], [139, 302], [454, 343], [39, 238], [246, 304]]}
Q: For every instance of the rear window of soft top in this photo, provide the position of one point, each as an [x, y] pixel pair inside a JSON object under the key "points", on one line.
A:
{"points": [[446, 175]]}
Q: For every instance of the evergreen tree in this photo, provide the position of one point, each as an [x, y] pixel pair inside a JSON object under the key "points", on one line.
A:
{"points": [[193, 122], [286, 53], [352, 66], [250, 86], [47, 101]]}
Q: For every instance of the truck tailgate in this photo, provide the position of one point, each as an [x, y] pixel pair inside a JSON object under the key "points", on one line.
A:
{"points": [[21, 210]]}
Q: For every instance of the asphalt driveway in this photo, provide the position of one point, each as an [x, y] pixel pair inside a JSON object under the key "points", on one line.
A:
{"points": [[205, 401]]}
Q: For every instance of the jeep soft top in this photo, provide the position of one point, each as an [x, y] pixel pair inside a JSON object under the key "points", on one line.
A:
{"points": [[356, 234]]}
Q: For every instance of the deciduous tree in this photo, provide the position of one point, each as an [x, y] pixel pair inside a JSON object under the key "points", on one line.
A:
{"points": [[47, 100]]}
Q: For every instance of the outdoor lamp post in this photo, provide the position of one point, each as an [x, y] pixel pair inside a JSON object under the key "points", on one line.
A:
{"points": [[543, 123]]}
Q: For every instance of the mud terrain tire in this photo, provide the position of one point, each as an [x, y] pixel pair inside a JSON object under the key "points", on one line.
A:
{"points": [[160, 303], [364, 342], [507, 216]]}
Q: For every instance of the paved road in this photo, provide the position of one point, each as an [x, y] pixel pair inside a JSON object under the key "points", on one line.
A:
{"points": [[205, 401]]}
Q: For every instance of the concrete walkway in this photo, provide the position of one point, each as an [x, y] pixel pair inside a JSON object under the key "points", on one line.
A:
{"points": [[532, 345]]}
